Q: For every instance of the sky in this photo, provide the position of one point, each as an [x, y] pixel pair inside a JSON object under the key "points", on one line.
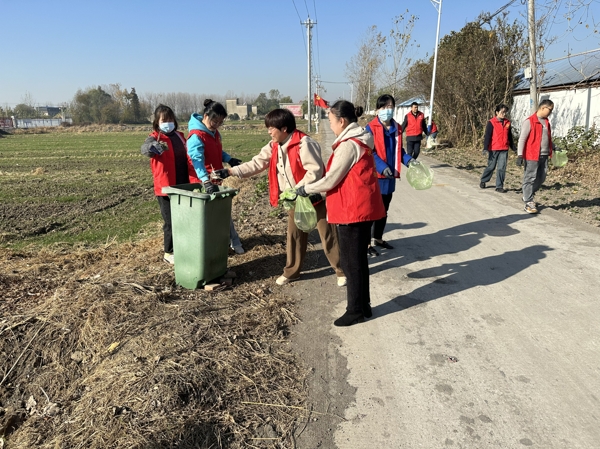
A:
{"points": [[241, 47]]}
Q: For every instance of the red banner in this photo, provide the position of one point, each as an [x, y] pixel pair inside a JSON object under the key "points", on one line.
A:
{"points": [[318, 101]]}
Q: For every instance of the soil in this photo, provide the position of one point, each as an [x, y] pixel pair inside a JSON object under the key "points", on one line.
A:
{"points": [[102, 349]]}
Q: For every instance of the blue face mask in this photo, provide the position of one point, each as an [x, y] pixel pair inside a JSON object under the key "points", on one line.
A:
{"points": [[166, 127], [385, 115]]}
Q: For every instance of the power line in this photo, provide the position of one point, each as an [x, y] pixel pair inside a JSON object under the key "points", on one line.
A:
{"points": [[318, 52], [488, 18], [301, 28], [306, 6]]}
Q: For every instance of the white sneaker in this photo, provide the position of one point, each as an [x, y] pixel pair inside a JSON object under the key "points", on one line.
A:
{"points": [[238, 249], [169, 258], [342, 281], [282, 280]]}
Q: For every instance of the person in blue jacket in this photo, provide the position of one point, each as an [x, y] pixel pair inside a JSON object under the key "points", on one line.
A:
{"points": [[388, 155], [207, 155]]}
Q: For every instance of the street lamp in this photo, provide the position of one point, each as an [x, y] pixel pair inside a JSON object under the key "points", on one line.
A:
{"points": [[437, 4]]}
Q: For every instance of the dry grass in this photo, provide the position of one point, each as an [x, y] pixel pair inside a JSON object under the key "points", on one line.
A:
{"points": [[100, 348]]}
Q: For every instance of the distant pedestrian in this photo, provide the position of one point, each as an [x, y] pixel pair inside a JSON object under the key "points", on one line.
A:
{"points": [[414, 126], [353, 203], [498, 139], [206, 151], [389, 157], [535, 148], [170, 165], [293, 159]]}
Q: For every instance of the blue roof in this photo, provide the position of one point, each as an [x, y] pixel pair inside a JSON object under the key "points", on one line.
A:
{"points": [[576, 69], [418, 100]]}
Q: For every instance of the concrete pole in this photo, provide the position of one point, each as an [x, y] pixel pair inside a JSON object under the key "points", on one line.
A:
{"points": [[309, 24], [533, 99]]}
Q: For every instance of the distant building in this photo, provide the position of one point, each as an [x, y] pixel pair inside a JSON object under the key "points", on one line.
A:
{"points": [[48, 111], [295, 109], [242, 110], [403, 108]]}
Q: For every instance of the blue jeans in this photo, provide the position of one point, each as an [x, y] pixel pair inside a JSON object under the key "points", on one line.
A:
{"points": [[496, 160]]}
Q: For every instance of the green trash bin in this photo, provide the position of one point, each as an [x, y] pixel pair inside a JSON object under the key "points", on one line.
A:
{"points": [[200, 225]]}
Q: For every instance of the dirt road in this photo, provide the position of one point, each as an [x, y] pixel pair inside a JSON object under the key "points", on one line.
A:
{"points": [[484, 331]]}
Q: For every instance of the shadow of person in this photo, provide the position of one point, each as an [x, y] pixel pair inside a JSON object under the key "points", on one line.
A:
{"points": [[445, 241], [452, 278]]}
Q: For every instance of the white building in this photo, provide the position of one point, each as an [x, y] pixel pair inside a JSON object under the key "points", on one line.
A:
{"points": [[573, 85]]}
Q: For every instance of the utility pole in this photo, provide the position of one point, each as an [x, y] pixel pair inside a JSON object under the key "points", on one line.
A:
{"points": [[437, 40], [309, 24], [533, 100]]}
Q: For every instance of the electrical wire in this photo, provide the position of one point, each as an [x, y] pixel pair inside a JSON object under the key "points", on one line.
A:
{"points": [[318, 52], [301, 28]]}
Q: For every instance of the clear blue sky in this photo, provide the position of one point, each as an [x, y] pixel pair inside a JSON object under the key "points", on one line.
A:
{"points": [[52, 48]]}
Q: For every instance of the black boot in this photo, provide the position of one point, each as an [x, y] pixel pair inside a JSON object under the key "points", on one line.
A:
{"points": [[348, 319], [367, 312]]}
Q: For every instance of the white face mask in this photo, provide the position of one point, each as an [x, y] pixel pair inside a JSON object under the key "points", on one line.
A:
{"points": [[385, 114], [166, 127]]}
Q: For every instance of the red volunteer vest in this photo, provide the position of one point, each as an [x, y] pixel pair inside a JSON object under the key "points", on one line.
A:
{"points": [[357, 197], [414, 126], [378, 136], [500, 135], [293, 155], [533, 145], [213, 149], [163, 166], [433, 127]]}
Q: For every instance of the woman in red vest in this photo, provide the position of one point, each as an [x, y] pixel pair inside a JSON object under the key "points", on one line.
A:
{"points": [[353, 203], [389, 157], [293, 159], [206, 151], [498, 139], [170, 165]]}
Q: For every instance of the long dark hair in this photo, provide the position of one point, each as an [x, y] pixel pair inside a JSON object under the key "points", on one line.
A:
{"points": [[166, 113], [214, 110], [345, 109]]}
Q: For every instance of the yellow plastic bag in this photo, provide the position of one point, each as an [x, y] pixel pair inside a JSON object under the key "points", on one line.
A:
{"points": [[419, 175], [305, 215], [559, 158]]}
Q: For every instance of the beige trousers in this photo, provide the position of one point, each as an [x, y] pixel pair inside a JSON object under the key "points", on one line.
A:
{"points": [[297, 242]]}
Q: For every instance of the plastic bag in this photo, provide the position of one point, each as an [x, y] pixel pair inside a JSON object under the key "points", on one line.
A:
{"points": [[419, 175], [305, 215], [559, 158], [288, 199]]}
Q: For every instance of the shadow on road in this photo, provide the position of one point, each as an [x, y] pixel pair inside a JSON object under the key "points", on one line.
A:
{"points": [[445, 241], [450, 278]]}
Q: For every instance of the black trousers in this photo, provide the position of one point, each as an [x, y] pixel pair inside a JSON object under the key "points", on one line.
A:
{"points": [[413, 148], [165, 211], [354, 239], [379, 225]]}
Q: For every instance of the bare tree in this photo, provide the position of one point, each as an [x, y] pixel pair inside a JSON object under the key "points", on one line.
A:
{"points": [[396, 60], [362, 68]]}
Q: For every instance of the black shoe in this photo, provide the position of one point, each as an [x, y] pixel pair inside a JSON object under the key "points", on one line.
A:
{"points": [[482, 185], [383, 244], [500, 190], [348, 319], [367, 312], [372, 252]]}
